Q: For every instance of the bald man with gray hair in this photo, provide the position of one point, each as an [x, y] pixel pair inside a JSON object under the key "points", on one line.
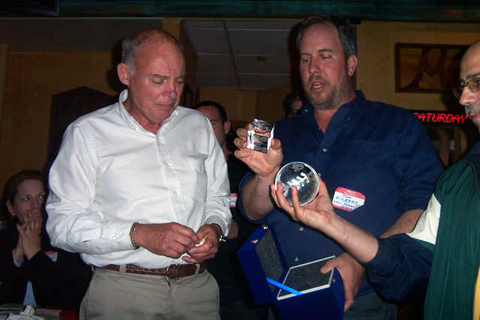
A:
{"points": [[140, 189]]}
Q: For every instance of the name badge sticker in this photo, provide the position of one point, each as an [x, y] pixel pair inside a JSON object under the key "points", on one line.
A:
{"points": [[53, 255], [233, 200], [347, 200]]}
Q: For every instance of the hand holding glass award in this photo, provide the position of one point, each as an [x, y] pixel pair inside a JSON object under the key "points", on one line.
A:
{"points": [[303, 177], [298, 174], [299, 291]]}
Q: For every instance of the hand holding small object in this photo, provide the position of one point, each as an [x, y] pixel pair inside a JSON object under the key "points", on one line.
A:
{"points": [[207, 247], [200, 243], [263, 164]]}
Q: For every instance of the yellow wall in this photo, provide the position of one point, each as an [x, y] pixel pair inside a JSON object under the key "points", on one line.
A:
{"points": [[376, 54], [239, 105], [270, 103], [31, 80], [242, 106]]}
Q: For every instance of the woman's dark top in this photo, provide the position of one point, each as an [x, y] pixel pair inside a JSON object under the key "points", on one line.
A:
{"points": [[61, 284]]}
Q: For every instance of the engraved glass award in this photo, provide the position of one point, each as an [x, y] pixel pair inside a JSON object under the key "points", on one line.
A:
{"points": [[302, 176], [259, 135]]}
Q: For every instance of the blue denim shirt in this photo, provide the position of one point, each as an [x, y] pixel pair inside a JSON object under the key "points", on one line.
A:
{"points": [[376, 149]]}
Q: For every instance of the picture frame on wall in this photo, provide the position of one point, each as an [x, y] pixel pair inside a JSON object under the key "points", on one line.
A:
{"points": [[427, 68]]}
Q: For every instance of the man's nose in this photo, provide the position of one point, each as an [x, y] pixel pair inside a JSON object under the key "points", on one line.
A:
{"points": [[171, 91], [313, 67], [467, 97]]}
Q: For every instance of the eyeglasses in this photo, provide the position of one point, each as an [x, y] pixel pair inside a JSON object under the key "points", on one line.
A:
{"points": [[472, 84]]}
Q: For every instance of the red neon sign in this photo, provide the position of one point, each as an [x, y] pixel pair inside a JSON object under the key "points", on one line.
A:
{"points": [[440, 117]]}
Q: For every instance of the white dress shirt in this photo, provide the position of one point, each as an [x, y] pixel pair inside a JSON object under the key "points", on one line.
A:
{"points": [[110, 172]]}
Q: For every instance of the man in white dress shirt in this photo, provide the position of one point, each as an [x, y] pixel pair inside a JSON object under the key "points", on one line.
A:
{"points": [[140, 189]]}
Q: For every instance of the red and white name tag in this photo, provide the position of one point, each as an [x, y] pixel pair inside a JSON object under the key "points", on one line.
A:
{"points": [[52, 255], [347, 200], [233, 200]]}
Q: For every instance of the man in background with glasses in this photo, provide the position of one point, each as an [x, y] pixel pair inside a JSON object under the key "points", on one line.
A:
{"points": [[442, 253], [470, 98]]}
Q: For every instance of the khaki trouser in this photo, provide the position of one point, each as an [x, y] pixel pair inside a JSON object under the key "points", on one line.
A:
{"points": [[118, 295]]}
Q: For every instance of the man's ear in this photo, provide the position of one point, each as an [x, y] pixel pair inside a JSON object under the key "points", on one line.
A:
{"points": [[352, 62], [227, 126], [123, 72]]}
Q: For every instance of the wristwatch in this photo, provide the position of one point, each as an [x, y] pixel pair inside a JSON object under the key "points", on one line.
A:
{"points": [[222, 238]]}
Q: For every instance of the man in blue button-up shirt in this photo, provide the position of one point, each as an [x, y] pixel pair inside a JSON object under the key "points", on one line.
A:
{"points": [[376, 159]]}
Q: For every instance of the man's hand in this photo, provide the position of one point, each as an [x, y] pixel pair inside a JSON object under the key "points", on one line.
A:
{"points": [[351, 272], [317, 214], [167, 239], [265, 165], [320, 215], [208, 245], [255, 193]]}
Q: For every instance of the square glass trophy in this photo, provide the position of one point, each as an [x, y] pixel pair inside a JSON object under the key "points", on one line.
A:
{"points": [[259, 135]]}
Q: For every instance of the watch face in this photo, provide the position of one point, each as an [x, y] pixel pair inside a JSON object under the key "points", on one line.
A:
{"points": [[303, 177]]}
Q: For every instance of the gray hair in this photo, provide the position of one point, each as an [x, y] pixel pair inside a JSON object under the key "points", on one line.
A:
{"points": [[130, 45]]}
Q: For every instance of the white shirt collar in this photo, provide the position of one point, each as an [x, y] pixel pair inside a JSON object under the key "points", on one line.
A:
{"points": [[131, 122]]}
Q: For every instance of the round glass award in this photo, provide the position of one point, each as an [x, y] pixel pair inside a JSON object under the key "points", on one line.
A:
{"points": [[302, 176]]}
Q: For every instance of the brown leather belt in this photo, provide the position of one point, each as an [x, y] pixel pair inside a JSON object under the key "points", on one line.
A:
{"points": [[174, 271]]}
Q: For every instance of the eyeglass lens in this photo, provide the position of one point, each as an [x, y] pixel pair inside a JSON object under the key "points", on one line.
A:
{"points": [[472, 84]]}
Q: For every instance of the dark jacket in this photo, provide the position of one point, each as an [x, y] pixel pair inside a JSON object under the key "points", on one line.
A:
{"points": [[405, 267], [61, 284]]}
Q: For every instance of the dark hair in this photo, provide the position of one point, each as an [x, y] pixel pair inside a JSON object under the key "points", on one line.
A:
{"points": [[289, 99], [12, 184], [216, 105], [130, 45], [346, 32], [11, 187]]}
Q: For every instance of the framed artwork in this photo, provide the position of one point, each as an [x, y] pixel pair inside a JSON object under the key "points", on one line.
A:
{"points": [[427, 67]]}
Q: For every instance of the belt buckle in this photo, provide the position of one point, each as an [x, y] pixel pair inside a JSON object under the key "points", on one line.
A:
{"points": [[172, 272]]}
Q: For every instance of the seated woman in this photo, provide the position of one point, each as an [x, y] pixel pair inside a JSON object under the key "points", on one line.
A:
{"points": [[31, 271]]}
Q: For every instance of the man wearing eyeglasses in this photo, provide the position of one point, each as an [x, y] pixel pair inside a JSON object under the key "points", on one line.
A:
{"points": [[442, 253], [470, 78]]}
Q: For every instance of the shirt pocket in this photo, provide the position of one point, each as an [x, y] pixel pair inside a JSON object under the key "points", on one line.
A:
{"points": [[365, 163], [196, 180]]}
